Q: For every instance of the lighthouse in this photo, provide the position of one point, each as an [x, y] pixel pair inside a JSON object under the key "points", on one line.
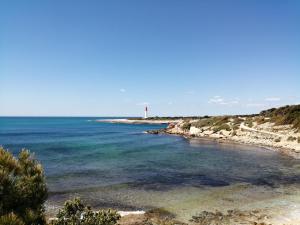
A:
{"points": [[146, 113]]}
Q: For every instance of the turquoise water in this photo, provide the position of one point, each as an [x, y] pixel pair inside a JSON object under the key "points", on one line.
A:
{"points": [[118, 165]]}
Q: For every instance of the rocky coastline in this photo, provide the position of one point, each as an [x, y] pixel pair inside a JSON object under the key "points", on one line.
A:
{"points": [[281, 138]]}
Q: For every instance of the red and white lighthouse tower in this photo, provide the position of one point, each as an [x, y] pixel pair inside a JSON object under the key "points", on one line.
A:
{"points": [[146, 113]]}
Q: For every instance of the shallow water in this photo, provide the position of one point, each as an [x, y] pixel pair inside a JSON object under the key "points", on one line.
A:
{"points": [[117, 165]]}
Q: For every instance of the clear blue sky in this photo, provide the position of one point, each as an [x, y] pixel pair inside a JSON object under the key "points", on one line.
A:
{"points": [[102, 58]]}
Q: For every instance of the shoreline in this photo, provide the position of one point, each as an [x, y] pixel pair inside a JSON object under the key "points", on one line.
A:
{"points": [[244, 139], [135, 121], [241, 130], [280, 150]]}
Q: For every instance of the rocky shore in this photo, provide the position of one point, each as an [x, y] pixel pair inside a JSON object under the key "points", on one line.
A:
{"points": [[243, 130], [276, 129]]}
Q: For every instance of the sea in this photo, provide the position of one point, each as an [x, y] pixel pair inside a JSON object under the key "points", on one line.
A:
{"points": [[120, 166]]}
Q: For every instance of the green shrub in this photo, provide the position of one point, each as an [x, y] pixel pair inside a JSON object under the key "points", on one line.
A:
{"points": [[284, 115], [23, 188], [222, 127], [225, 127], [249, 122], [203, 123], [260, 119], [10, 219], [236, 127], [212, 121], [237, 121], [291, 138], [220, 120], [277, 140], [75, 212], [186, 126]]}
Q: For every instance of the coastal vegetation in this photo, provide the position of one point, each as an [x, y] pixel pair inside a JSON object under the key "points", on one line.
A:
{"points": [[75, 212], [291, 138], [277, 139], [186, 126], [286, 115], [249, 122], [218, 123], [223, 126], [23, 190]]}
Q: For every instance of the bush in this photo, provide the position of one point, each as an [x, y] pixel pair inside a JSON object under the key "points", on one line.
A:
{"points": [[260, 120], [249, 123], [236, 127], [186, 126], [23, 189], [237, 121], [222, 127], [203, 123], [291, 138], [284, 115], [220, 120], [212, 121], [277, 140], [75, 212], [10, 219]]}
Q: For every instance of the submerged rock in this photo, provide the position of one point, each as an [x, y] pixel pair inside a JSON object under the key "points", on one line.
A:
{"points": [[232, 217]]}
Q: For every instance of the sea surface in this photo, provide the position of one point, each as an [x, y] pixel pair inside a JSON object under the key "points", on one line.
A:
{"points": [[120, 166]]}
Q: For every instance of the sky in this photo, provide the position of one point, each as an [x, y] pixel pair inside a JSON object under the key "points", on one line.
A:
{"points": [[111, 58]]}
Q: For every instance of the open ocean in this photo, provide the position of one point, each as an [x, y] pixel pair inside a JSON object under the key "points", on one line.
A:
{"points": [[120, 166]]}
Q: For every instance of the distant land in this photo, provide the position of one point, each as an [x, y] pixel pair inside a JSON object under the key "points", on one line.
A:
{"points": [[276, 128]]}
